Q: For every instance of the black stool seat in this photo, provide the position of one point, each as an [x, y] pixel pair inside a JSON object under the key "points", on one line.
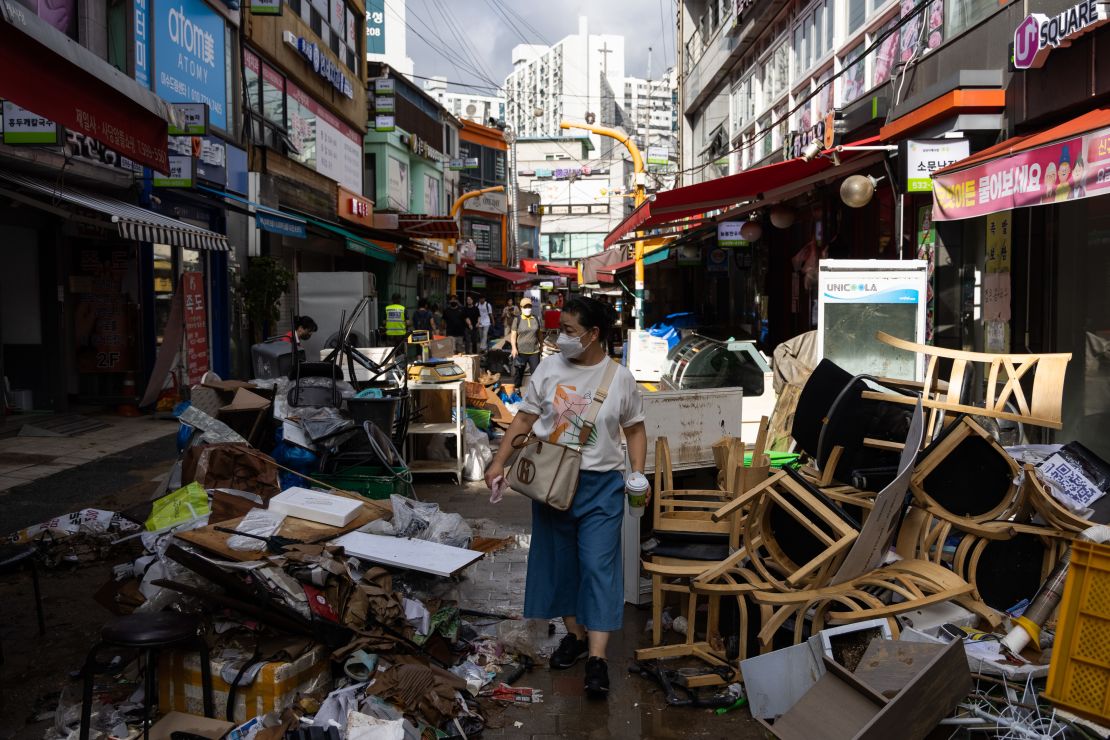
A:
{"points": [[150, 630]]}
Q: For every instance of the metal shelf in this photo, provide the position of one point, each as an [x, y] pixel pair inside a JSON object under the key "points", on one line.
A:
{"points": [[454, 428]]}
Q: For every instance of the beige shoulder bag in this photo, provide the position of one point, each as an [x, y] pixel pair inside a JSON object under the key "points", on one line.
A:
{"points": [[547, 471]]}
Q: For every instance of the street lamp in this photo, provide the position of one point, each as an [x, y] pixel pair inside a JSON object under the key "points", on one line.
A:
{"points": [[639, 198]]}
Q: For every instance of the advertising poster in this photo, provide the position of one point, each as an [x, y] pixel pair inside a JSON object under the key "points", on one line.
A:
{"points": [[856, 298], [375, 27], [397, 179], [102, 318], [189, 56], [1065, 170]]}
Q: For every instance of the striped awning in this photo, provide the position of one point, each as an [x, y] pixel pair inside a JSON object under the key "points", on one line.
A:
{"points": [[132, 221]]}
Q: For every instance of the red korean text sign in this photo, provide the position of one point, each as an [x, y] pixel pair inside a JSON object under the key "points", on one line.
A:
{"points": [[196, 326]]}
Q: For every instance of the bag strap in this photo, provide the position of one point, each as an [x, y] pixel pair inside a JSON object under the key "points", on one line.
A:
{"points": [[600, 395]]}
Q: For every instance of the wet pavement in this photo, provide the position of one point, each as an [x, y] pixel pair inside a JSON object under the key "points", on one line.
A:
{"points": [[635, 707]]}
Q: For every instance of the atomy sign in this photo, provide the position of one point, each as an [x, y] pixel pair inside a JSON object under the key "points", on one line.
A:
{"points": [[1039, 34]]}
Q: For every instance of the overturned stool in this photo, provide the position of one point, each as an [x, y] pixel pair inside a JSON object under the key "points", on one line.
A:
{"points": [[148, 633]]}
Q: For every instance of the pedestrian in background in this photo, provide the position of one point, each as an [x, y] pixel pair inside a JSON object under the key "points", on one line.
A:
{"points": [[574, 560], [472, 316], [454, 320], [423, 319], [485, 321], [395, 325], [526, 342], [508, 313]]}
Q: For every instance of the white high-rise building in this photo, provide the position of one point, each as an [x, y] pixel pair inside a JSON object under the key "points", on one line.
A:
{"points": [[648, 111], [582, 74], [468, 106], [386, 33]]}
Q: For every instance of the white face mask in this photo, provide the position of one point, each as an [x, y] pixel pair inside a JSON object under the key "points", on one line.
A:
{"points": [[526, 311], [571, 347]]}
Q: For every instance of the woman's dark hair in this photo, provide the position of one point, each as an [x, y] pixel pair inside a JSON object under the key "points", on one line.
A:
{"points": [[592, 314], [304, 322], [422, 303]]}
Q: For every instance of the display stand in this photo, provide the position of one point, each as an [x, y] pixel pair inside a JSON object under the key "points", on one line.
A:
{"points": [[442, 411]]}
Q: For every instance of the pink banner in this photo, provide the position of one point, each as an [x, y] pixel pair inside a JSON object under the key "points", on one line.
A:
{"points": [[1066, 170]]}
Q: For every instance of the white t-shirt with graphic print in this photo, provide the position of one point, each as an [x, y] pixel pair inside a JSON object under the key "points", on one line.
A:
{"points": [[560, 393]]}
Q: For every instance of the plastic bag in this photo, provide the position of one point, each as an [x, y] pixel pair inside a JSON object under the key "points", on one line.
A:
{"points": [[522, 636], [448, 529], [478, 453], [214, 431], [257, 521], [183, 505], [411, 518]]}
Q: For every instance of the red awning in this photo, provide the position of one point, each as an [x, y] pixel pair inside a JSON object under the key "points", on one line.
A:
{"points": [[1026, 170], [538, 267], [428, 227], [673, 205], [53, 76], [509, 276]]}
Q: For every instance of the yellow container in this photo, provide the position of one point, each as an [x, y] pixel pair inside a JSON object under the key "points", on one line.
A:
{"points": [[1079, 675], [274, 688]]}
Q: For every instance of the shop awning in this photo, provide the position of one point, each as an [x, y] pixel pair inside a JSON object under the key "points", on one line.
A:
{"points": [[428, 227], [600, 261], [540, 267], [132, 221], [608, 275], [509, 276], [1026, 170], [673, 205], [52, 75], [355, 243]]}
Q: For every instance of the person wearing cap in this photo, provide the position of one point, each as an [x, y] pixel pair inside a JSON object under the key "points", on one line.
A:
{"points": [[526, 341]]}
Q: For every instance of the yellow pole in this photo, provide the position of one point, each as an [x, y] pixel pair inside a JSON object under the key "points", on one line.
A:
{"points": [[456, 207], [639, 198]]}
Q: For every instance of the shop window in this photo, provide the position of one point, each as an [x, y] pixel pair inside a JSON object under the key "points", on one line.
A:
{"points": [[852, 81], [963, 14], [302, 127], [251, 80], [885, 56], [273, 95]]}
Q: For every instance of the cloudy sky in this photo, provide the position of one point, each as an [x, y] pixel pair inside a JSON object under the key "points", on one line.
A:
{"points": [[488, 37]]}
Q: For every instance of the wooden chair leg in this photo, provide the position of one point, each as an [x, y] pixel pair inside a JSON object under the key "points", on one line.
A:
{"points": [[656, 610]]}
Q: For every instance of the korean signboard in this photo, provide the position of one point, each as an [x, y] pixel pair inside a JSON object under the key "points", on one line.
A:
{"points": [[923, 157], [354, 208], [728, 234], [21, 126], [1037, 35], [1065, 170], [658, 156], [375, 27], [196, 326], [193, 117], [190, 56], [324, 66], [266, 7], [142, 43], [181, 174], [325, 143]]}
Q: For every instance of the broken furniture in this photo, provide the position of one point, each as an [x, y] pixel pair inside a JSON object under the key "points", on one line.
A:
{"points": [[14, 557], [441, 415], [149, 634], [899, 689]]}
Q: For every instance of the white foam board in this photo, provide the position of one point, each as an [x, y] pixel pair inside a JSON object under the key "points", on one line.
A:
{"points": [[316, 506], [404, 552]]}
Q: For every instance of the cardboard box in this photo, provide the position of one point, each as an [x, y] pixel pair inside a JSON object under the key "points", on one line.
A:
{"points": [[275, 687]]}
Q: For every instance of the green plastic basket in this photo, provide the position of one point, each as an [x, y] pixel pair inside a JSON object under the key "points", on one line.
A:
{"points": [[371, 481]]}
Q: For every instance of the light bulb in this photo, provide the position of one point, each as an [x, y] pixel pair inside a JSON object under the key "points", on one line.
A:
{"points": [[751, 231], [856, 191], [782, 217]]}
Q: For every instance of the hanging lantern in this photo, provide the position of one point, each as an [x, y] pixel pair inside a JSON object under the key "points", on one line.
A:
{"points": [[856, 191], [782, 217], [751, 231]]}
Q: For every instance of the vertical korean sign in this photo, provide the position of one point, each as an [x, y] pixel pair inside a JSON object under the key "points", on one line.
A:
{"points": [[375, 27], [196, 326], [190, 57], [142, 46]]}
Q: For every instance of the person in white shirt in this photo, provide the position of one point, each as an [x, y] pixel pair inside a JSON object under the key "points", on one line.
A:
{"points": [[485, 321], [574, 559]]}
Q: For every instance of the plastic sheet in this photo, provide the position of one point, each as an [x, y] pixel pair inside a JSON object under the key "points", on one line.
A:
{"points": [[424, 521], [477, 452], [212, 430], [258, 522]]}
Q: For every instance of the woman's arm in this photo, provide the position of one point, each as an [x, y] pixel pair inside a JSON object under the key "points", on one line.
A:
{"points": [[636, 438]]}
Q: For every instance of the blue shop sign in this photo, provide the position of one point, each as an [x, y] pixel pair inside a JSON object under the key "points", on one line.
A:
{"points": [[280, 225], [190, 56], [325, 67]]}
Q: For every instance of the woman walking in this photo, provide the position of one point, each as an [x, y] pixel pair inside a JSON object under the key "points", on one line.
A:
{"points": [[574, 561]]}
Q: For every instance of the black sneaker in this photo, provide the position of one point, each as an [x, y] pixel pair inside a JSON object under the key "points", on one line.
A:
{"points": [[570, 651], [597, 678]]}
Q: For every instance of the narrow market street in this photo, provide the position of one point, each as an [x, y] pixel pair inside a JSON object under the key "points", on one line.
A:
{"points": [[35, 668]]}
